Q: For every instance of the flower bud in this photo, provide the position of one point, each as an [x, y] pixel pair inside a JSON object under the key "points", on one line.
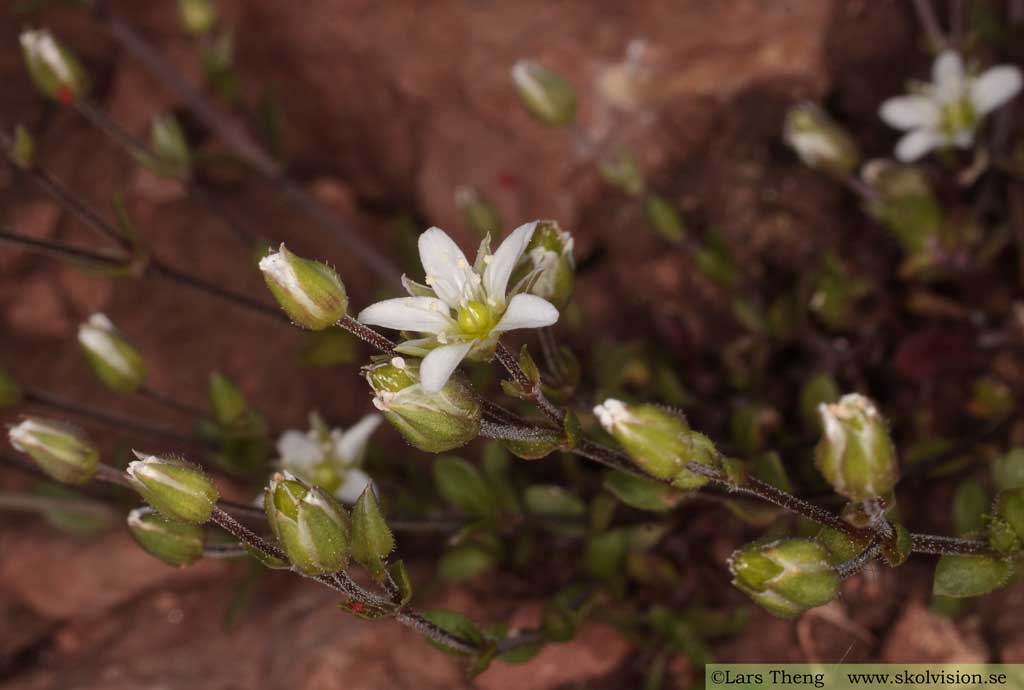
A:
{"points": [[311, 527], [23, 149], [432, 422], [545, 94], [310, 292], [10, 391], [659, 441], [856, 454], [548, 268], [372, 540], [54, 69], [62, 451], [176, 488], [906, 204], [171, 154], [113, 359], [785, 576], [175, 543], [480, 214], [198, 16], [819, 141]]}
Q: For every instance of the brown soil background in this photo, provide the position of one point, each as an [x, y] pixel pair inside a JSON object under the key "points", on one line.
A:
{"points": [[389, 107]]}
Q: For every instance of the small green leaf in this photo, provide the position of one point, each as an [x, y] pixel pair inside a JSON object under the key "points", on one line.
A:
{"points": [[605, 554], [550, 500], [462, 485], [457, 625], [465, 563], [969, 505], [960, 576], [1008, 470], [640, 493]]}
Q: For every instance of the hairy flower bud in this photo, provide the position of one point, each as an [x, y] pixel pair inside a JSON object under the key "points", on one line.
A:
{"points": [[548, 268], [113, 359], [311, 527], [310, 292], [856, 454], [198, 16], [54, 69], [432, 422], [61, 450], [545, 94], [177, 489], [658, 440], [819, 141], [785, 576], [173, 542], [10, 391]]}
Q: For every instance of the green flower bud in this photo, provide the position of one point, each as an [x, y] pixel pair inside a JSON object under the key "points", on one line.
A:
{"points": [[173, 158], [61, 450], [10, 391], [856, 454], [432, 422], [54, 69], [198, 16], [175, 543], [113, 359], [480, 214], [372, 540], [548, 265], [545, 94], [311, 527], [659, 441], [785, 576], [23, 150], [819, 142], [309, 292], [622, 173], [177, 489]]}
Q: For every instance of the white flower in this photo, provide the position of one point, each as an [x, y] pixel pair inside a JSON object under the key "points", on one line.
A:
{"points": [[463, 307], [329, 458], [947, 111]]}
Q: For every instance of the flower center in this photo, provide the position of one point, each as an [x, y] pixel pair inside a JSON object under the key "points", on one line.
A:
{"points": [[958, 117], [475, 319]]}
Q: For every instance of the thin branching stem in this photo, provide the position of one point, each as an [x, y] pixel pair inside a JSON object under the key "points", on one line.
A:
{"points": [[537, 397], [930, 23], [169, 402]]}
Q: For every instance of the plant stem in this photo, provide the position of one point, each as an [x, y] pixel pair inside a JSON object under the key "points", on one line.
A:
{"points": [[70, 252], [45, 399], [930, 24], [31, 503], [940, 545], [169, 402], [511, 364], [234, 136], [857, 563]]}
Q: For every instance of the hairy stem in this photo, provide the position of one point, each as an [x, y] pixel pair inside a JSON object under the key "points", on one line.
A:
{"points": [[537, 397]]}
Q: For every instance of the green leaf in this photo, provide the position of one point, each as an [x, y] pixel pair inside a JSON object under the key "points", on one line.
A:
{"points": [[640, 493], [462, 485], [969, 505], [400, 577], [465, 563], [457, 625], [605, 554], [550, 500], [1008, 470], [960, 576]]}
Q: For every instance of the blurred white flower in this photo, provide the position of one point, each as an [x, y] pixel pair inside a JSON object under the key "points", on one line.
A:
{"points": [[948, 111], [329, 458], [464, 308]]}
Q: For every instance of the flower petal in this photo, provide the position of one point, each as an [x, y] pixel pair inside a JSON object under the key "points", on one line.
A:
{"points": [[352, 488], [350, 447], [447, 270], [297, 450], [422, 314], [914, 145], [527, 311], [994, 87], [909, 112], [504, 261], [437, 367], [948, 76]]}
